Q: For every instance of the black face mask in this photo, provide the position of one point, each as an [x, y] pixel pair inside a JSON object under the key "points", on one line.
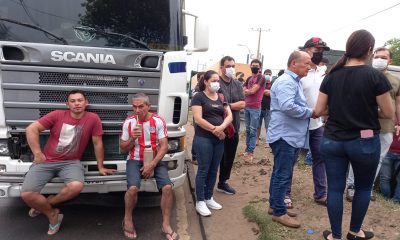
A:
{"points": [[317, 58], [255, 70]]}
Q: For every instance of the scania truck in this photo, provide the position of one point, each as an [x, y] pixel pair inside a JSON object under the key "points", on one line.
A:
{"points": [[111, 49]]}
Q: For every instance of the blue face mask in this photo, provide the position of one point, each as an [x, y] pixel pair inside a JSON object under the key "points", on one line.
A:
{"points": [[267, 77]]}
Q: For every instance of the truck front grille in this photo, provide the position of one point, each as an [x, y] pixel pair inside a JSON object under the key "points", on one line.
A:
{"points": [[105, 115], [69, 79], [93, 97]]}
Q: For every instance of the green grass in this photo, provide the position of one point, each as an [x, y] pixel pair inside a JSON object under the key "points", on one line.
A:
{"points": [[256, 212], [300, 162], [387, 203]]}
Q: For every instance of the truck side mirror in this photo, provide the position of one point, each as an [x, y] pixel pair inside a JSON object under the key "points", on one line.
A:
{"points": [[201, 34]]}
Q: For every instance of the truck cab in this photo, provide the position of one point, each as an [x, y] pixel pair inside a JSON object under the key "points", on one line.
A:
{"points": [[109, 49]]}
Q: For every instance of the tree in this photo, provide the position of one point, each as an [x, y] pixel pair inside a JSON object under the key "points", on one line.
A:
{"points": [[394, 46]]}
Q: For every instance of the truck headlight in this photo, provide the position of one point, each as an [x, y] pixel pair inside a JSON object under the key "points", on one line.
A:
{"points": [[4, 147], [173, 145], [3, 168], [176, 144]]}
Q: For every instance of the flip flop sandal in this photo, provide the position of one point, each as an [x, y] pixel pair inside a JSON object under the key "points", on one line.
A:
{"points": [[53, 229], [172, 235], [33, 213], [128, 231]]}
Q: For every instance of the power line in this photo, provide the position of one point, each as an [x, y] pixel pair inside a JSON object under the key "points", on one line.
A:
{"points": [[362, 19], [379, 12]]}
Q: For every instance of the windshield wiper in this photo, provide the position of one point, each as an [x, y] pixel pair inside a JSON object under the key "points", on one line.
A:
{"points": [[143, 44], [35, 27]]}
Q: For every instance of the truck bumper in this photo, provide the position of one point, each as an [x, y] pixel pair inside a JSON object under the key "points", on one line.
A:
{"points": [[11, 181], [91, 186]]}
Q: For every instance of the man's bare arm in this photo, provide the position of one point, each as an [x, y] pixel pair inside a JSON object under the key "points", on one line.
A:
{"points": [[99, 152], [239, 105], [32, 136]]}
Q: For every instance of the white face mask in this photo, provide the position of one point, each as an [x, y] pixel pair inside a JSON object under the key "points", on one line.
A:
{"points": [[230, 72], [379, 64], [322, 69], [267, 77], [214, 86]]}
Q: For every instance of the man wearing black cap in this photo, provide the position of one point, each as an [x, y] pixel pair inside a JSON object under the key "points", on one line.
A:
{"points": [[311, 84]]}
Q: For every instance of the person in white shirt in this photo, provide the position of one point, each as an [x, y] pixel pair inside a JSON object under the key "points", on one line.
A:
{"points": [[311, 84]]}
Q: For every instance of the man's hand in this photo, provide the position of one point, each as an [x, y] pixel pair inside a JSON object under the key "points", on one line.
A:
{"points": [[247, 92], [136, 133], [313, 115], [148, 170], [39, 158], [106, 171]]}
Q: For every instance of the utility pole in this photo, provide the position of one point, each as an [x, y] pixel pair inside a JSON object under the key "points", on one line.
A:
{"points": [[259, 30], [248, 49]]}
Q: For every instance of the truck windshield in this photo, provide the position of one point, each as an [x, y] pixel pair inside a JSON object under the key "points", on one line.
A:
{"points": [[134, 24]]}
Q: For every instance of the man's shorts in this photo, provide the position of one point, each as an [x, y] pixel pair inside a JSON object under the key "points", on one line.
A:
{"points": [[133, 174], [40, 174]]}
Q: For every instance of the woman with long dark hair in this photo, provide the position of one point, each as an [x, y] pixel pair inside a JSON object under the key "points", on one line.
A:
{"points": [[354, 95], [208, 112]]}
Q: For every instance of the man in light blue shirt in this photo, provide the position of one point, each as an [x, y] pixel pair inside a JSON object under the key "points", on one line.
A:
{"points": [[287, 131]]}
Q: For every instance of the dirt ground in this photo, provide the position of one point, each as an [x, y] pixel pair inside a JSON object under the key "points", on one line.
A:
{"points": [[252, 182]]}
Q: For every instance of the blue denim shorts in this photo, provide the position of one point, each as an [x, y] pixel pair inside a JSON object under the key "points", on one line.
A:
{"points": [[134, 176]]}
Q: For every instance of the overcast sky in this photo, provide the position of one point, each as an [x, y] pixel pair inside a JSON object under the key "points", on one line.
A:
{"points": [[290, 24]]}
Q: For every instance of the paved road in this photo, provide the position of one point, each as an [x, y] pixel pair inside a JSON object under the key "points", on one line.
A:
{"points": [[80, 221]]}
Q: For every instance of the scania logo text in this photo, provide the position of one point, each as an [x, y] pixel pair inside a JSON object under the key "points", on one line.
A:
{"points": [[100, 58]]}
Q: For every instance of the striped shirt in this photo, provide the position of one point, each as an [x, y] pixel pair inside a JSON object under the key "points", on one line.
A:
{"points": [[153, 130]]}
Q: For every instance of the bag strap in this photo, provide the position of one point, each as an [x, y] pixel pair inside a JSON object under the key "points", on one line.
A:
{"points": [[222, 97]]}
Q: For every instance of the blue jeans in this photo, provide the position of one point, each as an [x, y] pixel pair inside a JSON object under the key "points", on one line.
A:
{"points": [[252, 117], [209, 153], [386, 140], [363, 154], [265, 115], [389, 164], [318, 164], [296, 156], [194, 155], [282, 172]]}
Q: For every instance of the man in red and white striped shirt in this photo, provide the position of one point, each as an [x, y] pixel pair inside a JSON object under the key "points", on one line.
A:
{"points": [[141, 130]]}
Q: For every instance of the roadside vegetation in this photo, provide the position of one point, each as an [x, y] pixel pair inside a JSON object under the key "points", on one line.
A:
{"points": [[256, 211]]}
